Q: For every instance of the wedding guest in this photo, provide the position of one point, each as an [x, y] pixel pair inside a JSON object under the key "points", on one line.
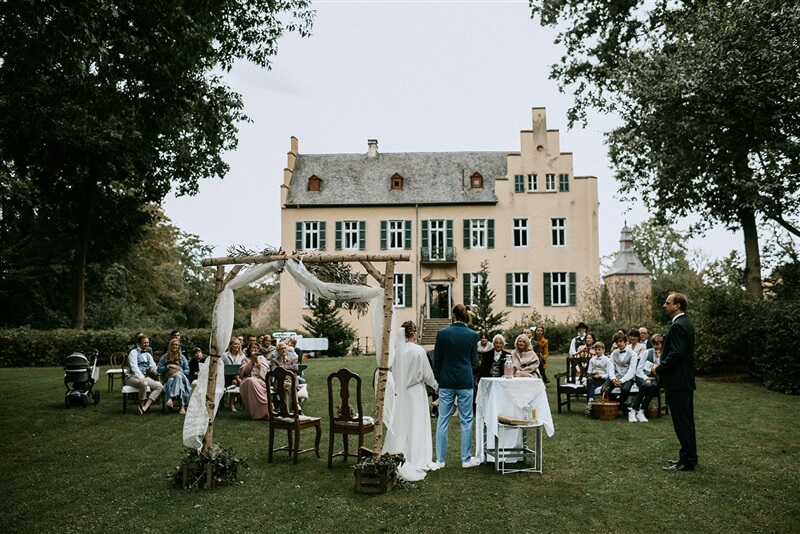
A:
{"points": [[141, 372], [410, 433], [454, 356], [644, 336], [543, 352], [534, 344], [176, 334], [253, 389], [634, 341], [286, 360], [646, 381], [598, 371], [266, 346], [174, 368], [524, 359], [623, 372], [494, 361], [194, 364], [234, 354], [584, 351], [579, 339], [483, 344]]}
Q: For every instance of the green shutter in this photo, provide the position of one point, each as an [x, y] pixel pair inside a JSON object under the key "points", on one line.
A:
{"points": [[338, 235], [519, 183], [298, 235], [490, 233], [362, 235], [548, 294], [322, 235], [449, 242], [424, 234], [407, 234], [509, 289], [383, 235], [467, 289], [466, 233], [407, 290], [573, 289]]}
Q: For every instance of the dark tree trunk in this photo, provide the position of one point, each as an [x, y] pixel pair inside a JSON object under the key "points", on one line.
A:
{"points": [[84, 215], [752, 255]]}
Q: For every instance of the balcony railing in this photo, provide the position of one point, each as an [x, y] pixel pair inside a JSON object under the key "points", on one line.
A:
{"points": [[438, 255]]}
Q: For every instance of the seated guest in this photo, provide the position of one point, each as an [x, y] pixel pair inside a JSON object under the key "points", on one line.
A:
{"points": [[176, 334], [494, 361], [635, 342], [174, 368], [253, 389], [646, 381], [483, 344], [524, 359], [194, 364], [644, 337], [584, 351], [141, 372], [266, 346], [534, 344], [286, 360], [598, 370], [623, 372]]}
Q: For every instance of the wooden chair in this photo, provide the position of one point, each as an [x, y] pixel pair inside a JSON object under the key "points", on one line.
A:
{"points": [[231, 395], [115, 370], [285, 415], [342, 421], [572, 383]]}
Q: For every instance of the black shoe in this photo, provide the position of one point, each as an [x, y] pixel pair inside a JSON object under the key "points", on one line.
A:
{"points": [[678, 467]]}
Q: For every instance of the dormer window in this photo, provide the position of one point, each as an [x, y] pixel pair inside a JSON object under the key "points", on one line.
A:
{"points": [[314, 182], [476, 181], [397, 182]]}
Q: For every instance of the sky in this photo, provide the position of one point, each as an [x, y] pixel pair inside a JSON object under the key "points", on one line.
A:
{"points": [[418, 76]]}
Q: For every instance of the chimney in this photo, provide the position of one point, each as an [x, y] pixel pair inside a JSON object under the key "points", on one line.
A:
{"points": [[372, 148]]}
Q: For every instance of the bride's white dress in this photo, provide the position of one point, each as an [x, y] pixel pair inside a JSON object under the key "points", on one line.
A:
{"points": [[410, 432]]}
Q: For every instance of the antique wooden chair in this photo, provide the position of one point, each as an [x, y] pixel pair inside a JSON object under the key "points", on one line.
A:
{"points": [[285, 415], [344, 418], [572, 383], [116, 370]]}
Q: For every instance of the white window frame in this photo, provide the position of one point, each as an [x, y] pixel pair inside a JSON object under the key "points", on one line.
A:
{"points": [[521, 287], [437, 238], [395, 235], [309, 299], [520, 229], [350, 231], [550, 182], [399, 298], [533, 183], [558, 232], [559, 288], [311, 235], [478, 233], [475, 280]]}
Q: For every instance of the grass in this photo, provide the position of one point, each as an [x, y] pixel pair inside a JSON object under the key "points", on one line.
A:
{"points": [[93, 469]]}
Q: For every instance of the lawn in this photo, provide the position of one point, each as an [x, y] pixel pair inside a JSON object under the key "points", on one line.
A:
{"points": [[97, 470]]}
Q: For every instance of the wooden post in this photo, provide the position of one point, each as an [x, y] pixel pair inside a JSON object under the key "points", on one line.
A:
{"points": [[213, 363], [388, 310]]}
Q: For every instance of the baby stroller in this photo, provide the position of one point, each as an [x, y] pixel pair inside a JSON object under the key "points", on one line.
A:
{"points": [[82, 376]]}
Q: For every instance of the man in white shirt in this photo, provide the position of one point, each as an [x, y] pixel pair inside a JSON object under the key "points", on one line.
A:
{"points": [[579, 339], [140, 363], [623, 372]]}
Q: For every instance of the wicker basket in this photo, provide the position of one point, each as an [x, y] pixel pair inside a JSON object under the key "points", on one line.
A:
{"points": [[606, 410]]}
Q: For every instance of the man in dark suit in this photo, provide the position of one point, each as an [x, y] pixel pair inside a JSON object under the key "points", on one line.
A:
{"points": [[454, 356], [676, 375]]}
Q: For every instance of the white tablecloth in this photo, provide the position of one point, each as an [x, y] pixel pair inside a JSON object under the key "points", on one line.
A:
{"points": [[508, 397]]}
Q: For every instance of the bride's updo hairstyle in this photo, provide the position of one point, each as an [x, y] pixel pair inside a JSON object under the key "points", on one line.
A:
{"points": [[410, 328]]}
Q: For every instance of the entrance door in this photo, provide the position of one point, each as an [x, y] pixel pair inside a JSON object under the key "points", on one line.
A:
{"points": [[439, 301]]}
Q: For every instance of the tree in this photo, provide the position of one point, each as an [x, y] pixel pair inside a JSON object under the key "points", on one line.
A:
{"points": [[708, 97], [326, 322], [482, 317], [105, 105]]}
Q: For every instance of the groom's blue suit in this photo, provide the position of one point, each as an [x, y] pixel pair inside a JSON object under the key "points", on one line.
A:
{"points": [[454, 356]]}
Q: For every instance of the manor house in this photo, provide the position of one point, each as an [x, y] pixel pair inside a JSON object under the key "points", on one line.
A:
{"points": [[524, 212]]}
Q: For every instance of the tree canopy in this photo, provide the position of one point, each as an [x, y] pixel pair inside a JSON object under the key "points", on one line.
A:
{"points": [[709, 98], [106, 106]]}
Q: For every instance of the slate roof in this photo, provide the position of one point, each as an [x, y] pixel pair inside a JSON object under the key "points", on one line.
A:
{"points": [[428, 178], [626, 261]]}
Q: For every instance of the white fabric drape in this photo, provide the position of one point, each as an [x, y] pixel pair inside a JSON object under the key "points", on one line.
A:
{"points": [[196, 423]]}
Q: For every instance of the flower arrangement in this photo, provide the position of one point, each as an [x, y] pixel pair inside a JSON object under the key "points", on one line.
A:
{"points": [[198, 470]]}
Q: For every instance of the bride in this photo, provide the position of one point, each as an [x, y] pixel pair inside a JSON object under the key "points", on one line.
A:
{"points": [[411, 426]]}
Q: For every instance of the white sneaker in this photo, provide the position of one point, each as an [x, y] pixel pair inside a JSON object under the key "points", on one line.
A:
{"points": [[632, 416], [640, 417], [472, 462], [435, 466]]}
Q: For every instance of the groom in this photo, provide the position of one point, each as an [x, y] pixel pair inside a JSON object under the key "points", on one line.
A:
{"points": [[454, 355]]}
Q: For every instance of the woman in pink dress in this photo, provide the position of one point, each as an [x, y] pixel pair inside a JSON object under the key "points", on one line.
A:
{"points": [[253, 389]]}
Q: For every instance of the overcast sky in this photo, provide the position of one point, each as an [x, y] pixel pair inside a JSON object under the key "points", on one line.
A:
{"points": [[419, 76]]}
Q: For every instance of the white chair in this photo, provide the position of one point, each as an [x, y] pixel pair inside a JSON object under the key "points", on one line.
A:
{"points": [[128, 392]]}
